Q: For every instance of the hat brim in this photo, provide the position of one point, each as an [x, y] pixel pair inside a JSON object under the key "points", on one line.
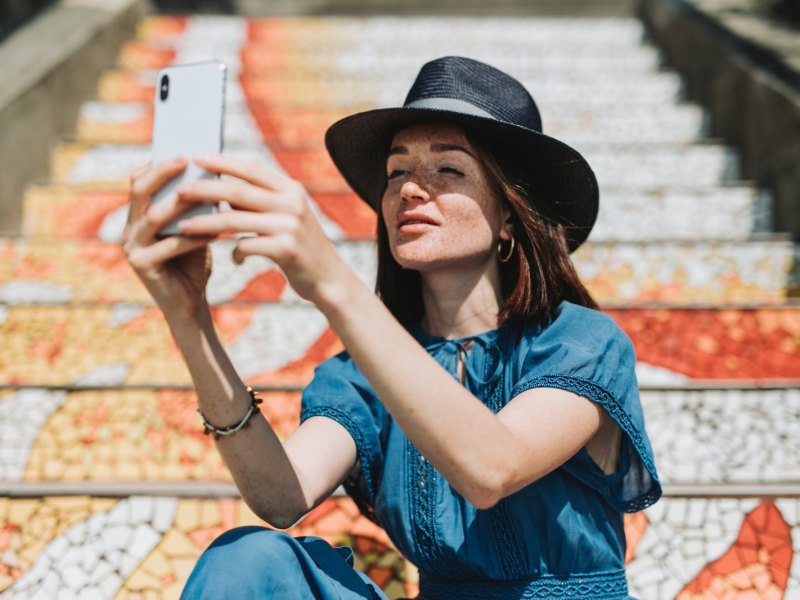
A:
{"points": [[359, 146]]}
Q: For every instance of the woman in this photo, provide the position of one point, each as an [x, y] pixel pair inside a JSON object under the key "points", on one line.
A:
{"points": [[484, 412]]}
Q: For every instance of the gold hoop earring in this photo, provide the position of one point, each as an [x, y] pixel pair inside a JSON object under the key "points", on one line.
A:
{"points": [[505, 258]]}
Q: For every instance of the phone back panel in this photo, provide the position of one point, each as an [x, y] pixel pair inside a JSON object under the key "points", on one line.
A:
{"points": [[188, 122]]}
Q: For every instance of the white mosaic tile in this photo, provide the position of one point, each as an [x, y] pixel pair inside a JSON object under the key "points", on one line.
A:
{"points": [[713, 213], [276, 335], [670, 554], [34, 292], [725, 435], [116, 547], [22, 415]]}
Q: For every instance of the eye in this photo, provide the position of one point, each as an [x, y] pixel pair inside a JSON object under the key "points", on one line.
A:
{"points": [[395, 173], [451, 171]]}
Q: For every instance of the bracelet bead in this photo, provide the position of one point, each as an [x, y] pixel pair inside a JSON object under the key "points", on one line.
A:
{"points": [[218, 432]]}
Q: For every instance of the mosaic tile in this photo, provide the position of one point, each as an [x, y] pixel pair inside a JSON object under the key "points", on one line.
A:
{"points": [[96, 555], [28, 526], [281, 343], [724, 274], [758, 561], [733, 345], [741, 546], [673, 215], [725, 436], [121, 435]]}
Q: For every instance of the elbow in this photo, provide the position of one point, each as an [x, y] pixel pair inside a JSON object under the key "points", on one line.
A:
{"points": [[279, 517], [488, 489]]}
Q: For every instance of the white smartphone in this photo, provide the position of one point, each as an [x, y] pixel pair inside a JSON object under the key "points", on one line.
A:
{"points": [[188, 121]]}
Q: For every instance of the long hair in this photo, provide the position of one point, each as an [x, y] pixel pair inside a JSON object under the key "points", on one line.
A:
{"points": [[540, 273]]}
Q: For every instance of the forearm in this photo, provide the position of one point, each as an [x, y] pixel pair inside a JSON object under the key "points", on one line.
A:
{"points": [[254, 455], [456, 432]]}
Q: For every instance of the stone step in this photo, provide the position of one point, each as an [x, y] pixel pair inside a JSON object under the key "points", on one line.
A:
{"points": [[700, 437], [131, 123], [725, 213], [280, 344], [87, 546], [690, 273], [626, 167], [521, 53], [335, 91], [548, 34]]}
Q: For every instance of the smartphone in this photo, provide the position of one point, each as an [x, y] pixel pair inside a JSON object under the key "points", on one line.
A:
{"points": [[188, 120]]}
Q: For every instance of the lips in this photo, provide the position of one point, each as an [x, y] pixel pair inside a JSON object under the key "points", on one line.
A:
{"points": [[414, 219]]}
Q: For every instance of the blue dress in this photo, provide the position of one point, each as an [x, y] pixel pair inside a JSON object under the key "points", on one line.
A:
{"points": [[560, 537]]}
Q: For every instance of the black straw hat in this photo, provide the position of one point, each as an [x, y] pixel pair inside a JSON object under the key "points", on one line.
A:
{"points": [[483, 99]]}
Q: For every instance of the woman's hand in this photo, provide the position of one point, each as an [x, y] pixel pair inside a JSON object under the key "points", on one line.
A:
{"points": [[276, 209], [175, 269]]}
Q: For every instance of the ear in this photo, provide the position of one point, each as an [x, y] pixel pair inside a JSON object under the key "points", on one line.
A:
{"points": [[507, 231]]}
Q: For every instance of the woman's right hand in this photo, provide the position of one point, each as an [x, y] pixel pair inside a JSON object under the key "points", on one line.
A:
{"points": [[174, 269]]}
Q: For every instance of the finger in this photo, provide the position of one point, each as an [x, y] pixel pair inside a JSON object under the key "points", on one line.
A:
{"points": [[270, 247], [159, 216], [146, 182], [239, 195], [143, 258], [239, 222], [245, 170]]}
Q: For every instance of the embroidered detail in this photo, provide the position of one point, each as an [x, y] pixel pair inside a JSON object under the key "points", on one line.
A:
{"points": [[362, 490], [506, 543], [422, 504], [600, 586], [604, 398]]}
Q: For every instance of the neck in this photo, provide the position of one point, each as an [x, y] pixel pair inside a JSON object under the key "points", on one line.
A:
{"points": [[458, 304]]}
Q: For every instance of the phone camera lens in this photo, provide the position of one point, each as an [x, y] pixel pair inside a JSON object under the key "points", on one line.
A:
{"points": [[164, 87]]}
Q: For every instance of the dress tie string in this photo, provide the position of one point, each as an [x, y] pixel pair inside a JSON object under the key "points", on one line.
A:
{"points": [[449, 350]]}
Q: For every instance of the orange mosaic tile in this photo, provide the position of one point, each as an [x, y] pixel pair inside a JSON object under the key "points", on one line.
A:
{"points": [[69, 211], [742, 344], [134, 131], [756, 566], [161, 28], [119, 85], [143, 55], [294, 130]]}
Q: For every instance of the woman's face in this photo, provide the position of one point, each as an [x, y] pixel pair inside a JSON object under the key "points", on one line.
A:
{"points": [[439, 208]]}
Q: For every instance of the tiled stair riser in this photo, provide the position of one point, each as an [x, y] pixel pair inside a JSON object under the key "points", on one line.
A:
{"points": [[711, 436], [132, 123], [276, 344], [112, 548], [679, 274], [703, 214]]}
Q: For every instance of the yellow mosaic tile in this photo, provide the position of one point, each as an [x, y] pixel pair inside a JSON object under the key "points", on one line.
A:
{"points": [[27, 526]]}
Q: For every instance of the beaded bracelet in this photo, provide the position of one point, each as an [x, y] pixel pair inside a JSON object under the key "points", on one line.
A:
{"points": [[218, 432]]}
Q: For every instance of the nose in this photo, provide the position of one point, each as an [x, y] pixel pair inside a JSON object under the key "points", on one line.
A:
{"points": [[411, 191]]}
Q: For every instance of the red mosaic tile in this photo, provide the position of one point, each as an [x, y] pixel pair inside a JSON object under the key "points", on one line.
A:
{"points": [[742, 344], [756, 565]]}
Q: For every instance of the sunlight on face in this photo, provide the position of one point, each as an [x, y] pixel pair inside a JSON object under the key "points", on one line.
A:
{"points": [[439, 208]]}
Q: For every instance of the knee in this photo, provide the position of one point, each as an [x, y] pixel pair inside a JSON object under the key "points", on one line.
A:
{"points": [[250, 548]]}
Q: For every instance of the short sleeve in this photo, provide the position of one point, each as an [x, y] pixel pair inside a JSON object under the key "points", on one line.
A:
{"points": [[585, 352], [339, 392]]}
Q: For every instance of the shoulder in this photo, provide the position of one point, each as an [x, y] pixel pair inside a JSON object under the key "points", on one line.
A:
{"points": [[577, 328]]}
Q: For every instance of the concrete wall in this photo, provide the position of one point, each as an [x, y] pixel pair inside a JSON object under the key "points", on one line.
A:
{"points": [[752, 94], [48, 68]]}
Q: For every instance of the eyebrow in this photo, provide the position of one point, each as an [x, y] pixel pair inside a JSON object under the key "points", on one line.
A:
{"points": [[438, 147]]}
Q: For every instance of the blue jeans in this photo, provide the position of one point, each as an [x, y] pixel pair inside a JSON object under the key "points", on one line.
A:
{"points": [[256, 562]]}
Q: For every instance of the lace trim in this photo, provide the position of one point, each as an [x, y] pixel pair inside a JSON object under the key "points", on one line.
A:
{"points": [[506, 543], [600, 586], [604, 398], [363, 489], [422, 501]]}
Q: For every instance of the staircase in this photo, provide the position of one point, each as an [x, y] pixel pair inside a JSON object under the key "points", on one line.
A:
{"points": [[110, 489]]}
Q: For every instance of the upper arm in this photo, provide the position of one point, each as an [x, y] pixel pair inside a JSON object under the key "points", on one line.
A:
{"points": [[323, 455], [552, 425]]}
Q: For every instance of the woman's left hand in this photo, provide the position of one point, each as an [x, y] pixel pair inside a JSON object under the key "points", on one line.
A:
{"points": [[276, 209]]}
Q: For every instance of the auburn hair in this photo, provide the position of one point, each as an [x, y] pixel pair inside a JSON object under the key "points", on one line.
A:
{"points": [[540, 273]]}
